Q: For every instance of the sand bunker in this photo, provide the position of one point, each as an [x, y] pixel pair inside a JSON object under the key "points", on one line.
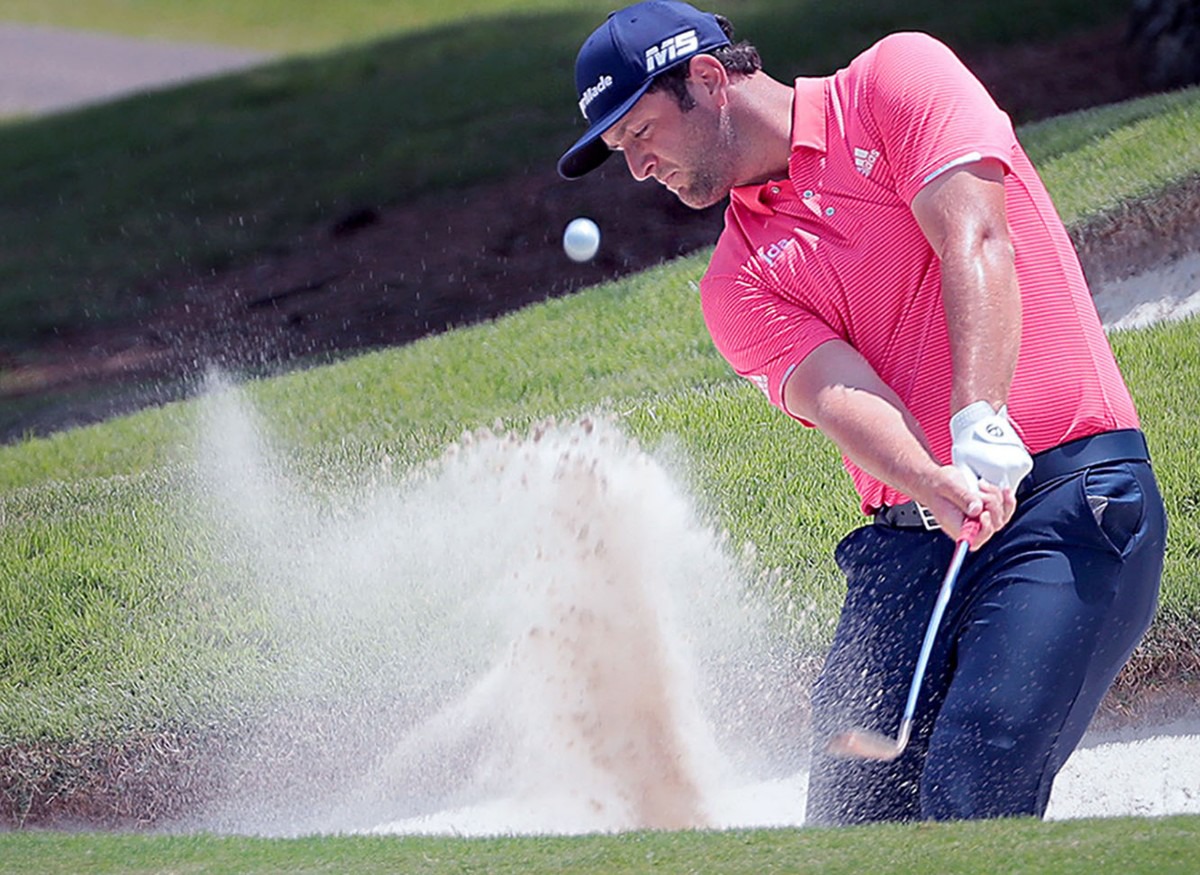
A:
{"points": [[1164, 293]]}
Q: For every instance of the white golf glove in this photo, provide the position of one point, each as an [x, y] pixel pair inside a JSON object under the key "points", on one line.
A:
{"points": [[986, 443]]}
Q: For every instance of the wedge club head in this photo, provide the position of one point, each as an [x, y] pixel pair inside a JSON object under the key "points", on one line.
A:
{"points": [[866, 744]]}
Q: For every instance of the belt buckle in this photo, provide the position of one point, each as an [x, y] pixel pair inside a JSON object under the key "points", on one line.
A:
{"points": [[928, 520]]}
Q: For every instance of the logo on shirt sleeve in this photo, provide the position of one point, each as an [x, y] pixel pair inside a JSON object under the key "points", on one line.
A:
{"points": [[761, 381]]}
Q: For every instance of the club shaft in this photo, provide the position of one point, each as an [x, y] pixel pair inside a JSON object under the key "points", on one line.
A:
{"points": [[935, 620]]}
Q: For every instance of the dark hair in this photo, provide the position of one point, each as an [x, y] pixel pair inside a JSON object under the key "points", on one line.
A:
{"points": [[739, 59]]}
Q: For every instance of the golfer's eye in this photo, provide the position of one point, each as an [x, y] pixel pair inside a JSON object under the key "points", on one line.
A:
{"points": [[640, 133]]}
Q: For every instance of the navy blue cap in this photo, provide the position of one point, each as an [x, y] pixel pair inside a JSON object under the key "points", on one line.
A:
{"points": [[618, 61]]}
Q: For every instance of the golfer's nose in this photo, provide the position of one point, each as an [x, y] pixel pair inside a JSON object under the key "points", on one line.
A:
{"points": [[641, 163]]}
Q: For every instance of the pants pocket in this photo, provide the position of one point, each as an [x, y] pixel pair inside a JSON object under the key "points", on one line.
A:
{"points": [[1117, 503]]}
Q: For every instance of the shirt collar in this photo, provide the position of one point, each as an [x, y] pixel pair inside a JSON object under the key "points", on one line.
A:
{"points": [[808, 132], [808, 114]]}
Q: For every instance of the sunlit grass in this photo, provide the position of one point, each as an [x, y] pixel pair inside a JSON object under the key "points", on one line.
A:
{"points": [[1165, 846]]}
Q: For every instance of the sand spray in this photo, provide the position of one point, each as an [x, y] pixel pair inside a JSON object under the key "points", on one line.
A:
{"points": [[538, 629]]}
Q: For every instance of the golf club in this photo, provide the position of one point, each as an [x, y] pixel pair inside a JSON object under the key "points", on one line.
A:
{"points": [[867, 744]]}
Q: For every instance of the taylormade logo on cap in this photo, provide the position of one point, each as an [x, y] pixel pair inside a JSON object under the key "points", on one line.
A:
{"points": [[671, 49], [593, 92]]}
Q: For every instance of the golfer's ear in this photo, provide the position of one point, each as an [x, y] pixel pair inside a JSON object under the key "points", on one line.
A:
{"points": [[709, 74]]}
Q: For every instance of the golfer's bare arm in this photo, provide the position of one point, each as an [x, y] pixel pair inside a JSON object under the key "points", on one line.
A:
{"points": [[838, 391], [963, 216]]}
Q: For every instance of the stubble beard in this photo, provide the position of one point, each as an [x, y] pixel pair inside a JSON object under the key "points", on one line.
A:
{"points": [[713, 158]]}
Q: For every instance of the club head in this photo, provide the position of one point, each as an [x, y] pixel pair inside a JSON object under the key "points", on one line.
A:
{"points": [[863, 744], [866, 744]]}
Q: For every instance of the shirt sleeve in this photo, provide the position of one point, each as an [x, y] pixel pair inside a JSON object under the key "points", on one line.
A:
{"points": [[762, 335], [931, 112]]}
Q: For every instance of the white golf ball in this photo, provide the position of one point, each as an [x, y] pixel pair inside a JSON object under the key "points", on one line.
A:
{"points": [[581, 239]]}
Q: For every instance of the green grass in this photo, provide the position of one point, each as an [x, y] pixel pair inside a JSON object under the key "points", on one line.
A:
{"points": [[1166, 846], [1097, 160], [88, 574], [73, 546]]}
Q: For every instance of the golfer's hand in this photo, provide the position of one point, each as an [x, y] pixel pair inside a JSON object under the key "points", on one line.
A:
{"points": [[986, 443], [958, 495]]}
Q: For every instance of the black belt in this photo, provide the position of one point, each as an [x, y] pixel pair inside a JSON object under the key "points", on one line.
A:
{"points": [[1124, 445]]}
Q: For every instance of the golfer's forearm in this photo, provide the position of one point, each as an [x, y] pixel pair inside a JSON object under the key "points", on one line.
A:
{"points": [[877, 434], [836, 390], [963, 215]]}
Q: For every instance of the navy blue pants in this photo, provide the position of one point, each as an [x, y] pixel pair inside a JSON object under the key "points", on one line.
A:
{"points": [[1042, 619]]}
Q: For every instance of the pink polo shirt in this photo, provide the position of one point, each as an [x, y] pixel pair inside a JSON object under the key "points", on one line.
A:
{"points": [[834, 251]]}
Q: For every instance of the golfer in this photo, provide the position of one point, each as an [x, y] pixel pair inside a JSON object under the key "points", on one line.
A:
{"points": [[893, 272]]}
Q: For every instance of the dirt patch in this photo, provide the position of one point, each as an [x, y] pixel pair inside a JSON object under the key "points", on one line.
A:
{"points": [[376, 278], [140, 781], [1142, 235]]}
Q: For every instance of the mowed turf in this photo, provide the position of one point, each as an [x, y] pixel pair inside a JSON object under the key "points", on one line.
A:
{"points": [[1165, 846], [108, 627]]}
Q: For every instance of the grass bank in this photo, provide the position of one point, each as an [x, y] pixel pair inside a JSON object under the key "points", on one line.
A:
{"points": [[1166, 846]]}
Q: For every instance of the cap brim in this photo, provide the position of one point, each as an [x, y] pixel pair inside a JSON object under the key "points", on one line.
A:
{"points": [[589, 151]]}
